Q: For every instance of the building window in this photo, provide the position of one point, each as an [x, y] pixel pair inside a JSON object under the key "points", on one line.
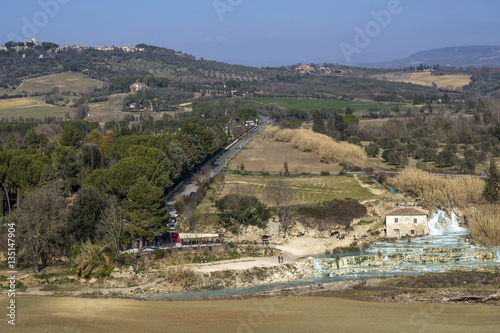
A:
{"points": [[415, 220], [396, 232], [413, 232], [396, 220]]}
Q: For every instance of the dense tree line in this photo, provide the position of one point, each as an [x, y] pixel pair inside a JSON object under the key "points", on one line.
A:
{"points": [[103, 189]]}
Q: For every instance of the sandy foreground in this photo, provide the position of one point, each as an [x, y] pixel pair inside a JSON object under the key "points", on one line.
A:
{"points": [[291, 314]]}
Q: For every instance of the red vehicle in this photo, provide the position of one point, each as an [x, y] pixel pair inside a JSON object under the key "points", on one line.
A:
{"points": [[174, 236]]}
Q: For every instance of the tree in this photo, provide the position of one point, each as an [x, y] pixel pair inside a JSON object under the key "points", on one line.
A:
{"points": [[81, 111], [446, 158], [242, 209], [372, 149], [319, 123], [470, 160], [492, 189], [340, 125], [426, 154], [71, 136], [110, 227], [281, 195], [64, 162], [40, 224], [145, 209], [285, 166], [85, 213], [397, 157], [31, 138], [91, 156]]}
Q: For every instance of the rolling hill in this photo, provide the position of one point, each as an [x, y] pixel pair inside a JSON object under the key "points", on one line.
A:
{"points": [[459, 56]]}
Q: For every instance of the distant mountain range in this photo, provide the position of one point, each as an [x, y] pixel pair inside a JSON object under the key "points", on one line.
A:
{"points": [[459, 56]]}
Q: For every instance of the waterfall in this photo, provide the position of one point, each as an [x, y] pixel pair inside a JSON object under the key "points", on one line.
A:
{"points": [[317, 265], [440, 224]]}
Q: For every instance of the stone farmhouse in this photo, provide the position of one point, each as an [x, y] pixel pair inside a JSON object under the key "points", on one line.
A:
{"points": [[406, 221], [138, 86]]}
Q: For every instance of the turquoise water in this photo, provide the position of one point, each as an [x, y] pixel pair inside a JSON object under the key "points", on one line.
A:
{"points": [[446, 249]]}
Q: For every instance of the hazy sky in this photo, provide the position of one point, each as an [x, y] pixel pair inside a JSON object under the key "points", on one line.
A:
{"points": [[260, 32]]}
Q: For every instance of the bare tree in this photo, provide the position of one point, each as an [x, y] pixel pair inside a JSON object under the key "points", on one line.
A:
{"points": [[40, 225], [280, 194], [110, 227]]}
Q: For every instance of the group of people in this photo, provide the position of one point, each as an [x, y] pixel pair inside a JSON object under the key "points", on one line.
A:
{"points": [[362, 237], [280, 259], [340, 236]]}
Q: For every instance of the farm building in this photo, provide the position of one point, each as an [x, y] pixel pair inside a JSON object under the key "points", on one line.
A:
{"points": [[138, 86], [406, 221]]}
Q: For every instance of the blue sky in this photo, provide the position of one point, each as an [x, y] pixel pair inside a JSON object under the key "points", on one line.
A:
{"points": [[260, 32]]}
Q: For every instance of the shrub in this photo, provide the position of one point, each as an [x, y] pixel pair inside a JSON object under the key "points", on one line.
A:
{"points": [[484, 224], [182, 276], [159, 254], [336, 212], [459, 192], [326, 149], [92, 260]]}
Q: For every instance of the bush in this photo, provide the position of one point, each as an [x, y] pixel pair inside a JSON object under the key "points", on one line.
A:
{"points": [[159, 254], [336, 212], [92, 260], [459, 192], [182, 276], [326, 149], [484, 224]]}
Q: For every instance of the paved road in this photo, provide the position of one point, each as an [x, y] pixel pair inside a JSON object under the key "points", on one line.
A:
{"points": [[217, 164]]}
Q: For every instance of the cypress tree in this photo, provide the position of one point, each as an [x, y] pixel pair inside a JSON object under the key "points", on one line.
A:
{"points": [[492, 189], [319, 123]]}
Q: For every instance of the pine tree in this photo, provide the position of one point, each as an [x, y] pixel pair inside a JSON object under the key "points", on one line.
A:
{"points": [[492, 189]]}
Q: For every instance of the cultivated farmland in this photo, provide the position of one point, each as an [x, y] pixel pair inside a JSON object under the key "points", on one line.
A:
{"points": [[309, 190], [30, 107], [309, 104], [451, 82], [74, 82]]}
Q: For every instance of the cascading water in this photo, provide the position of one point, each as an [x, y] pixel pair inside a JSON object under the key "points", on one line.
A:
{"points": [[446, 248], [440, 224]]}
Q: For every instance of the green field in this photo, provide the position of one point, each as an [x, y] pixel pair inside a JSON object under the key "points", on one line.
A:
{"points": [[74, 82], [308, 189], [320, 104], [290, 314], [30, 107]]}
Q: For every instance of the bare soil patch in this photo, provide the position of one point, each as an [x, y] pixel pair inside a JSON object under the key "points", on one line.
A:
{"points": [[266, 155], [290, 314]]}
